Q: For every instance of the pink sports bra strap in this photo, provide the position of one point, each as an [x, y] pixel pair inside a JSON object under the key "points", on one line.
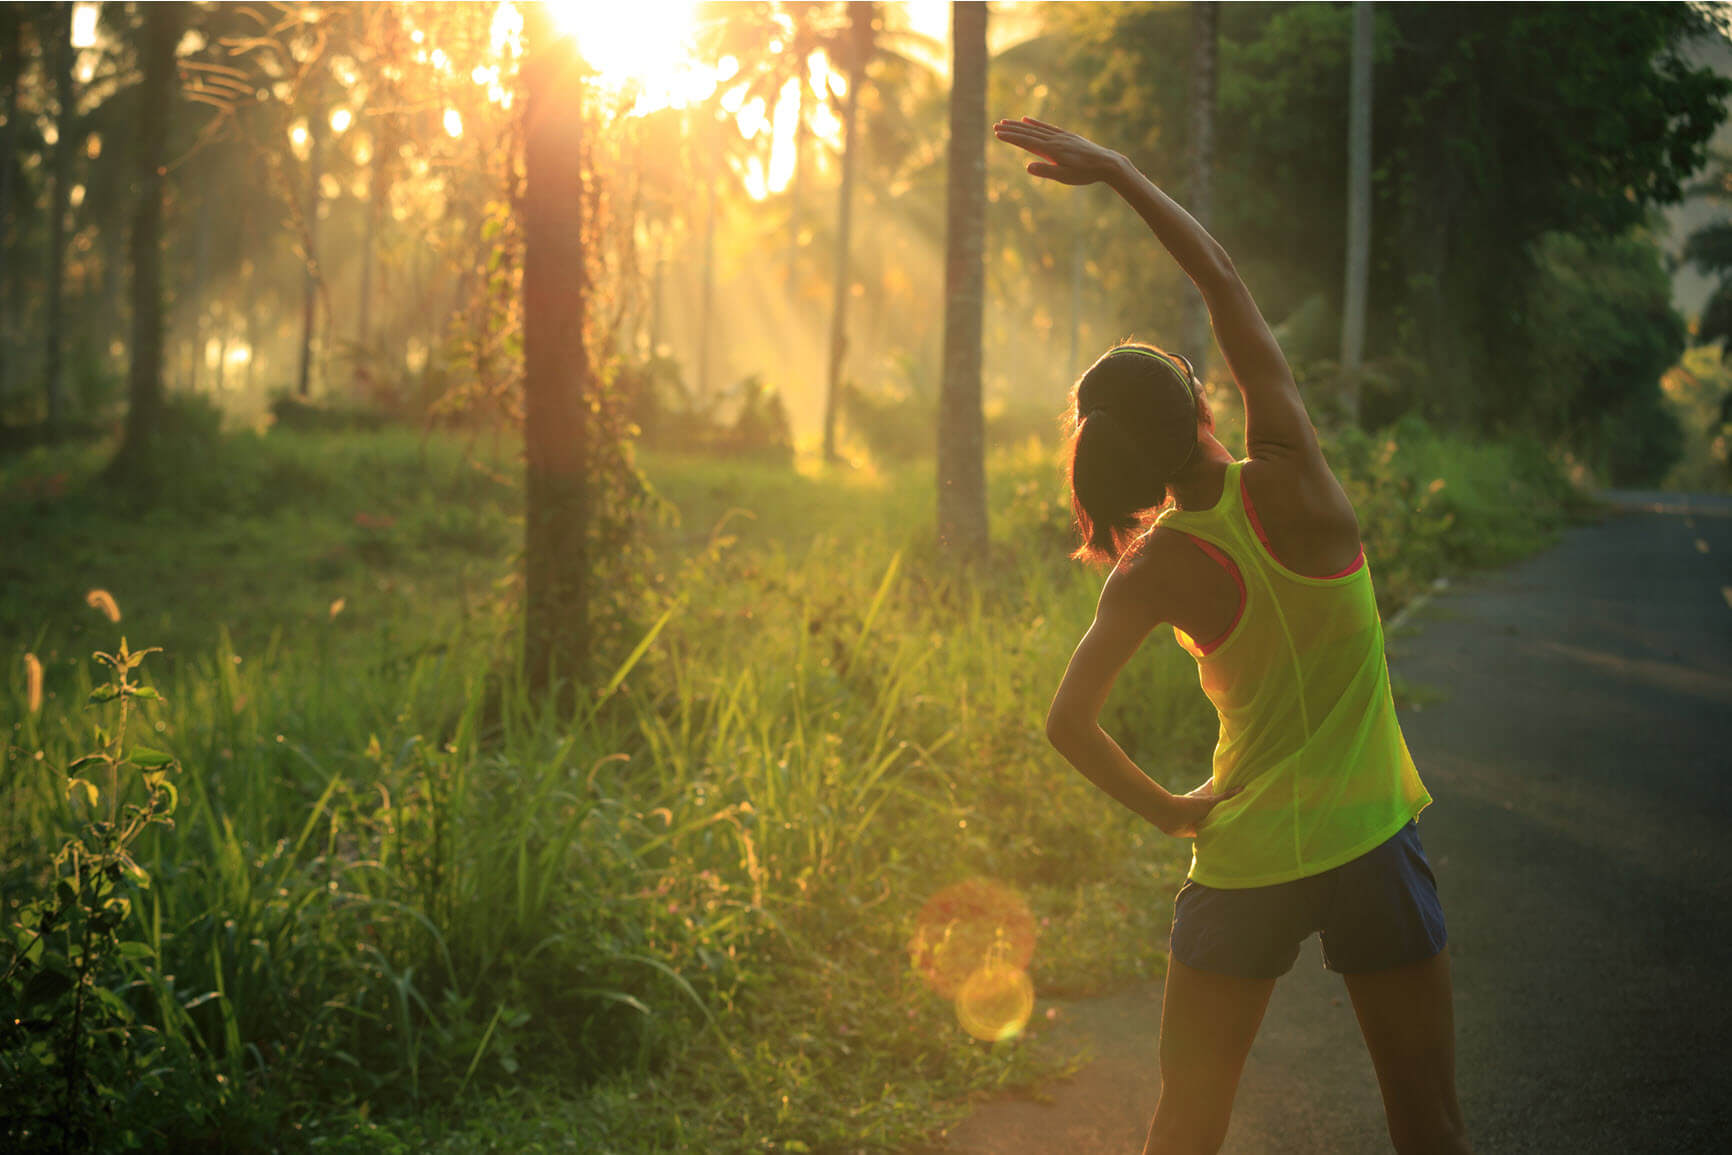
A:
{"points": [[1257, 527]]}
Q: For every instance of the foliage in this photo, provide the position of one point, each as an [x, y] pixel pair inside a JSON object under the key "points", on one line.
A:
{"points": [[1699, 390], [1495, 126], [78, 1059], [291, 412], [749, 421], [384, 851], [1604, 331]]}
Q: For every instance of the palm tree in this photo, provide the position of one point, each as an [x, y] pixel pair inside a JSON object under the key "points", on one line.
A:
{"points": [[11, 25], [59, 195], [962, 526], [1358, 209], [555, 365], [162, 29], [1205, 27], [856, 53]]}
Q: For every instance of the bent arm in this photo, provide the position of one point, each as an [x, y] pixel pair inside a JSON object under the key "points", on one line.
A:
{"points": [[1073, 721]]}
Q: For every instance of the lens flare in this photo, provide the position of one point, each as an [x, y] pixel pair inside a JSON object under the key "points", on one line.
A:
{"points": [[995, 1002], [972, 944]]}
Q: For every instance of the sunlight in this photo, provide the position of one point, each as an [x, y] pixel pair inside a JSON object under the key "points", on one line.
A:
{"points": [[655, 66], [84, 18]]}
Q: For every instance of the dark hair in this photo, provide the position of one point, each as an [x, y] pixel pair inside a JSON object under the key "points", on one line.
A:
{"points": [[1134, 426]]}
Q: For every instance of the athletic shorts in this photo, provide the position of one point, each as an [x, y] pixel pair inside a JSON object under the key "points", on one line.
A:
{"points": [[1376, 912]]}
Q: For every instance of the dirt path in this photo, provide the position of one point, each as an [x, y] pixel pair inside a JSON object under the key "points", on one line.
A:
{"points": [[1578, 743]]}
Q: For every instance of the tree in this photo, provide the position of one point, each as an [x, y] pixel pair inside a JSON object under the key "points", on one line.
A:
{"points": [[556, 363], [1358, 208], [1205, 36], [1709, 248], [162, 29], [1495, 125], [59, 194], [962, 525], [858, 45], [11, 26]]}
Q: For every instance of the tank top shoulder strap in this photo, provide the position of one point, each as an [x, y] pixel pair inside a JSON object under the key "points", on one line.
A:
{"points": [[1220, 519]]}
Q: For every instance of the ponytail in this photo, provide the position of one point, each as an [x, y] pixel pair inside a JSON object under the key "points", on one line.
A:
{"points": [[1135, 426]]}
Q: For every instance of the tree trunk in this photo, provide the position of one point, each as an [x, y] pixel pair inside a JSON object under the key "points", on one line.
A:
{"points": [[708, 286], [59, 193], [378, 187], [962, 527], [1358, 211], [162, 26], [859, 51], [310, 281], [1078, 259], [797, 183], [11, 24], [556, 368], [196, 306], [1205, 23]]}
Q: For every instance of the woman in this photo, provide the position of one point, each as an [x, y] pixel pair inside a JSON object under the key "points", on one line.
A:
{"points": [[1307, 822]]}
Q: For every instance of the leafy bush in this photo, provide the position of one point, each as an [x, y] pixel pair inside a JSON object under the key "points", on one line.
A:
{"points": [[303, 416], [81, 1063], [748, 421], [411, 889]]}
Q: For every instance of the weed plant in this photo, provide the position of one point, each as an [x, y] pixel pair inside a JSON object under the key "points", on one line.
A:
{"points": [[405, 905]]}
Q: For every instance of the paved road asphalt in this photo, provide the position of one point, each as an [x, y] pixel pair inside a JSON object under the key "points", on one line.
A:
{"points": [[1575, 729]]}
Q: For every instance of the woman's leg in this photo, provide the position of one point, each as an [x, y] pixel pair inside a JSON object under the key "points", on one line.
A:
{"points": [[1408, 1018], [1208, 1022]]}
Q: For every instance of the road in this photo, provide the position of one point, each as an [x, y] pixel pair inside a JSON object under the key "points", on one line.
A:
{"points": [[1575, 730]]}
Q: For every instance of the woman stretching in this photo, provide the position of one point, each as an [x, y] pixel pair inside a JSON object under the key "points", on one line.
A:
{"points": [[1306, 824]]}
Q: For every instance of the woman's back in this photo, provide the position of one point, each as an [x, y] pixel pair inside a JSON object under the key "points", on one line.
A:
{"points": [[1308, 727]]}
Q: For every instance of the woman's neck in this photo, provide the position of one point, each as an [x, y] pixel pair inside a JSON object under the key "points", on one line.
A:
{"points": [[1198, 485]]}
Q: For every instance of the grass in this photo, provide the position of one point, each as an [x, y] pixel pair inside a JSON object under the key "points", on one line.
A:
{"points": [[406, 906]]}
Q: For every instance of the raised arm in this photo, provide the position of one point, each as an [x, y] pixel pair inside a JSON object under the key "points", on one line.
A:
{"points": [[1276, 423]]}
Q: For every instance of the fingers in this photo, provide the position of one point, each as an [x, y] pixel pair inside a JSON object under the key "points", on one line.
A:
{"points": [[1042, 169]]}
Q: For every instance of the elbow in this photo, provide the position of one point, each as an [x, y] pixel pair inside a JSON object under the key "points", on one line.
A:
{"points": [[1061, 731]]}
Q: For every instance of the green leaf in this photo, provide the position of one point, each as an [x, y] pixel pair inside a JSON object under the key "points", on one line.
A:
{"points": [[45, 986], [147, 694], [115, 1003], [139, 875], [85, 761], [77, 787], [132, 949], [107, 692], [149, 758]]}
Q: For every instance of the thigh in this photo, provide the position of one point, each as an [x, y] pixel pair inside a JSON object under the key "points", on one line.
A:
{"points": [[1208, 1022], [1407, 1016], [1383, 911], [1254, 933]]}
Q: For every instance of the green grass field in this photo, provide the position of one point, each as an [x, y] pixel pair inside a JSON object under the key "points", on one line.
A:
{"points": [[405, 907]]}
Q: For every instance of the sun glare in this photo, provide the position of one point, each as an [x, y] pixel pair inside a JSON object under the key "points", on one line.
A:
{"points": [[642, 49]]}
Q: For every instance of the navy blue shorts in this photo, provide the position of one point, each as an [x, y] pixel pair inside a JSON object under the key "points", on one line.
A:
{"points": [[1376, 912]]}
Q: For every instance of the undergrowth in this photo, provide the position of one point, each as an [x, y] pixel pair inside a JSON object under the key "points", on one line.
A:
{"points": [[404, 906]]}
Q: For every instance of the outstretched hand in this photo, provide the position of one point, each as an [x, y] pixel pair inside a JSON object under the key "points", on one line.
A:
{"points": [[1069, 158], [1189, 810]]}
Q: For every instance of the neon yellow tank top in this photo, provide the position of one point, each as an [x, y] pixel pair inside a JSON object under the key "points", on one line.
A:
{"points": [[1308, 724]]}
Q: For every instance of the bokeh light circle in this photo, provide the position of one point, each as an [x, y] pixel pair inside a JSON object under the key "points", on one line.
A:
{"points": [[961, 923], [995, 1001]]}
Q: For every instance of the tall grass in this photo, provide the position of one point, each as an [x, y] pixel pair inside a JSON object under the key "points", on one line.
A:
{"points": [[397, 883]]}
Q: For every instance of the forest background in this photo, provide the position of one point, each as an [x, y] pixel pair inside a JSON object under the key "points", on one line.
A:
{"points": [[263, 388]]}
